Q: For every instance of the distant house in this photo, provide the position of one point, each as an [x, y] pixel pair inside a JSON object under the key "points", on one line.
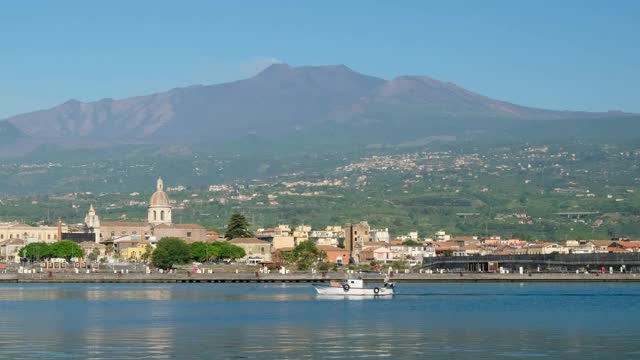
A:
{"points": [[545, 248], [323, 237], [134, 251], [9, 249], [624, 246], [255, 249], [383, 254], [335, 255]]}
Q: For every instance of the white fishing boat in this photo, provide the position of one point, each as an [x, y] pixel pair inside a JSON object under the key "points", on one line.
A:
{"points": [[354, 287]]}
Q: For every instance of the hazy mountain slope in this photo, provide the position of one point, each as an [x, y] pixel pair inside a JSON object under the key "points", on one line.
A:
{"points": [[281, 99], [279, 102], [278, 99]]}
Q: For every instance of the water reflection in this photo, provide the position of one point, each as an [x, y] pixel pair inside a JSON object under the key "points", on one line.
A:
{"points": [[352, 298], [488, 321]]}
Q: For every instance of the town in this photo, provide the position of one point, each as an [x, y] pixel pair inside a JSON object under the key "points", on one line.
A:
{"points": [[545, 193], [336, 245]]}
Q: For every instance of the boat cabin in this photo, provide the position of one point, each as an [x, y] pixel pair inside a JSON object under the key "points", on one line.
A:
{"points": [[354, 283]]}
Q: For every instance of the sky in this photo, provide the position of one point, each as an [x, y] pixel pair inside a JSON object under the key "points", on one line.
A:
{"points": [[566, 55]]}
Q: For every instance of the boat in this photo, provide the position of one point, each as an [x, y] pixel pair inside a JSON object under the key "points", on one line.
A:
{"points": [[354, 287]]}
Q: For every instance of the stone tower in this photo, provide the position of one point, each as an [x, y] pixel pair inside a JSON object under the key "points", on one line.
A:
{"points": [[92, 221]]}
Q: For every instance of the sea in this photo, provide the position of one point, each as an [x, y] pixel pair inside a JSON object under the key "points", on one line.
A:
{"points": [[289, 321]]}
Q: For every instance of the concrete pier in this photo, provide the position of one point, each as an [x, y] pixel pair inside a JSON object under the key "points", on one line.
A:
{"points": [[311, 278]]}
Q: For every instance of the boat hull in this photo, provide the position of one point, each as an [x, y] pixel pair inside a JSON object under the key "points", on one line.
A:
{"points": [[331, 290]]}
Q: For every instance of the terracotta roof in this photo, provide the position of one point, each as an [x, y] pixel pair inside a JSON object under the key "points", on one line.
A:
{"points": [[629, 244], [248, 241], [601, 242]]}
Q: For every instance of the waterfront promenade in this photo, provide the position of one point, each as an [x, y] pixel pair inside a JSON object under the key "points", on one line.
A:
{"points": [[245, 277]]}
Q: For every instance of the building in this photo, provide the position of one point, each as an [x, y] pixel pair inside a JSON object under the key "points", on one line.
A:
{"points": [[92, 222], [187, 232], [322, 237], [159, 223], [255, 249], [159, 211], [335, 255], [280, 237], [380, 254], [91, 247], [214, 236], [545, 248], [356, 236], [133, 250], [10, 248], [441, 236], [14, 230], [380, 235]]}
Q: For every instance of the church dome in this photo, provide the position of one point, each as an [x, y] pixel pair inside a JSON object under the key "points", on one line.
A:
{"points": [[159, 198]]}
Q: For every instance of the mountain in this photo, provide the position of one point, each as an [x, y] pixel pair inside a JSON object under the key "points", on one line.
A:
{"points": [[278, 102]]}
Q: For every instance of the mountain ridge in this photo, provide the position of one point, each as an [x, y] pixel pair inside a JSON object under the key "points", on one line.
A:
{"points": [[281, 100]]}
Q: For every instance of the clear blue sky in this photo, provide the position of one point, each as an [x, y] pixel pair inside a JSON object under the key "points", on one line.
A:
{"points": [[580, 55]]}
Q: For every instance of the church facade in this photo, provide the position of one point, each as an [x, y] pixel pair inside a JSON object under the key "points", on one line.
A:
{"points": [[159, 224]]}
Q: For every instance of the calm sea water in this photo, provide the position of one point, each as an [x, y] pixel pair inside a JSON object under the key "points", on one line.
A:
{"points": [[274, 321]]}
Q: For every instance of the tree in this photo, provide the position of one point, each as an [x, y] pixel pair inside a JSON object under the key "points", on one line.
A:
{"points": [[199, 251], [238, 227], [35, 251], [109, 250], [93, 256], [305, 255], [213, 251], [230, 251], [225, 250], [66, 249], [410, 243], [171, 251], [148, 250]]}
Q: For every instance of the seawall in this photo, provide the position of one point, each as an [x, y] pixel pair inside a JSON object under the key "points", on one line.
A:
{"points": [[311, 278]]}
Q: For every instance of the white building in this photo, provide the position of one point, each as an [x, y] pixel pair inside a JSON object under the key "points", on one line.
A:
{"points": [[92, 221], [441, 236], [323, 237], [379, 235]]}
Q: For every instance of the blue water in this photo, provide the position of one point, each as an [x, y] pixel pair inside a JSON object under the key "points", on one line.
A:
{"points": [[278, 321]]}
